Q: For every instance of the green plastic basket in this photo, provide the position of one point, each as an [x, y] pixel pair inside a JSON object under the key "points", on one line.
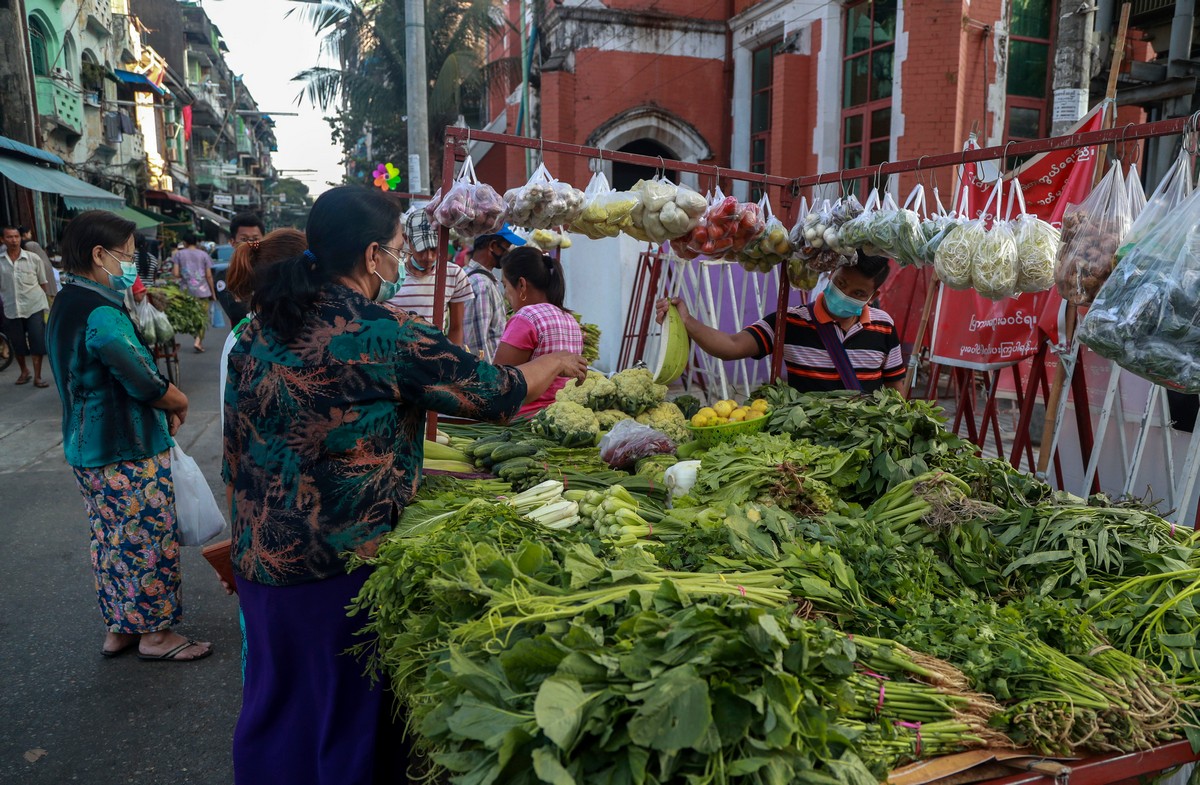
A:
{"points": [[716, 434]]}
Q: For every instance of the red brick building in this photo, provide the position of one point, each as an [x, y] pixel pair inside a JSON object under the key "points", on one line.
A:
{"points": [[787, 86]]}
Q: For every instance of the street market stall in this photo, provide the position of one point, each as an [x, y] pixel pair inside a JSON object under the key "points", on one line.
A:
{"points": [[818, 588]]}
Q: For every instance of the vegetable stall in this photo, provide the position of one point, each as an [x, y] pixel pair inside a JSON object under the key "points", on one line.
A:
{"points": [[824, 588]]}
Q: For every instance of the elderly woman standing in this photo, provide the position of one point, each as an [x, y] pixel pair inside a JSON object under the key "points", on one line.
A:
{"points": [[119, 415], [324, 414]]}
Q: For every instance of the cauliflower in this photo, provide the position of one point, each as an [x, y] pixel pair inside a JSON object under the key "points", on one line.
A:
{"points": [[636, 391], [596, 392], [610, 417], [667, 418], [567, 423]]}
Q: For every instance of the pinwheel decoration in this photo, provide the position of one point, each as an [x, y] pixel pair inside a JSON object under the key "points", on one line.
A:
{"points": [[387, 177]]}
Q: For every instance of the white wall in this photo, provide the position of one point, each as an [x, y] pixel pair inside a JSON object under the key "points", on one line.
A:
{"points": [[600, 276]]}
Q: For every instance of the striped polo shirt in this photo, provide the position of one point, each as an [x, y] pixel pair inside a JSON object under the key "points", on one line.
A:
{"points": [[871, 344]]}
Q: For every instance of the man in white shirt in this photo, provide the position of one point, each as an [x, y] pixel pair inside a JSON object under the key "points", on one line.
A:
{"points": [[487, 315], [24, 290], [416, 294]]}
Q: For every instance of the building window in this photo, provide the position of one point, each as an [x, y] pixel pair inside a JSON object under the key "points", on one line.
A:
{"points": [[867, 63], [762, 77], [1031, 30], [39, 47]]}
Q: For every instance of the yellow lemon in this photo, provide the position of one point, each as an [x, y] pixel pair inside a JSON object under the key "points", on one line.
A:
{"points": [[759, 405], [707, 412], [720, 421], [755, 414], [723, 408], [738, 415], [700, 420]]}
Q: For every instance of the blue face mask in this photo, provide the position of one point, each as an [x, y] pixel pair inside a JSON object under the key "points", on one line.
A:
{"points": [[126, 279], [840, 305], [388, 289]]}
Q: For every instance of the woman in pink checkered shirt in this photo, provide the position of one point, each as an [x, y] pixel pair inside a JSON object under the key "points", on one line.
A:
{"points": [[534, 286]]}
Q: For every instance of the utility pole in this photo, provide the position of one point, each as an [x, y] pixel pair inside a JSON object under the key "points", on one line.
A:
{"points": [[417, 88], [1072, 65]]}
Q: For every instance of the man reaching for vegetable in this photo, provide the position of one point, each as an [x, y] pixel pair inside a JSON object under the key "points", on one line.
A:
{"points": [[838, 342]]}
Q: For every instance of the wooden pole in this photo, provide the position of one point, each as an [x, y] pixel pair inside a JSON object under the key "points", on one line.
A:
{"points": [[915, 361], [1050, 431]]}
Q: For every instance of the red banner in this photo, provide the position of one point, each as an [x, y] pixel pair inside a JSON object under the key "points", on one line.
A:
{"points": [[971, 331]]}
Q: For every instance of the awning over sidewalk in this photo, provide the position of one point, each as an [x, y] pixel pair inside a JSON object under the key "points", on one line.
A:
{"points": [[76, 194], [140, 219], [208, 215], [137, 81], [20, 148]]}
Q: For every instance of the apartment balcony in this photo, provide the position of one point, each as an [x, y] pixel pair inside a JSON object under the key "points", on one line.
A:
{"points": [[60, 103], [126, 41], [211, 173], [98, 17], [209, 108]]}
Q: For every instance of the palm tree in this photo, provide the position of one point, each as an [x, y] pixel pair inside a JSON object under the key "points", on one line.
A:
{"points": [[366, 39]]}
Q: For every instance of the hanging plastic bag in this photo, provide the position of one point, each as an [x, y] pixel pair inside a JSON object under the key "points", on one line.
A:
{"points": [[1137, 194], [1037, 244], [954, 259], [606, 212], [907, 230], [771, 247], [935, 228], [549, 239], [196, 511], [1092, 231], [665, 211], [629, 441], [1175, 186], [543, 202], [713, 235], [1147, 315], [857, 231], [471, 207], [994, 265], [824, 249], [164, 331]]}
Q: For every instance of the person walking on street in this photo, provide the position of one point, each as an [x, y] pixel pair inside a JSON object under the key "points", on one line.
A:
{"points": [[417, 290], [119, 419], [147, 263], [35, 248], [487, 314], [194, 268], [25, 292]]}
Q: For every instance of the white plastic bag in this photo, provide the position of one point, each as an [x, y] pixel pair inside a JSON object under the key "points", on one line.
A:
{"points": [[196, 510]]}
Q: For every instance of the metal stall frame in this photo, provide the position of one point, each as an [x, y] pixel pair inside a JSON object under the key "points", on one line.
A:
{"points": [[455, 150], [457, 138]]}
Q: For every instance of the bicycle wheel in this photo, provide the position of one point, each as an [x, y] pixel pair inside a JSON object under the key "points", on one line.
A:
{"points": [[6, 352]]}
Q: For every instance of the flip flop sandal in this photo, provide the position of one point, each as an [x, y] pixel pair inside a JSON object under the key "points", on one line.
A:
{"points": [[41, 384], [173, 654], [24, 380], [110, 653]]}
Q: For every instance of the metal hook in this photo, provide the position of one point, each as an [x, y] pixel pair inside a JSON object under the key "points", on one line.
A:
{"points": [[1123, 147], [923, 173], [662, 167], [879, 174], [1004, 159]]}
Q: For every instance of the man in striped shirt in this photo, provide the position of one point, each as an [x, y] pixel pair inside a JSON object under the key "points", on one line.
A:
{"points": [[867, 334], [417, 291]]}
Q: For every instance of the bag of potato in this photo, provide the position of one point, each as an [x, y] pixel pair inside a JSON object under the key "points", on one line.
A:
{"points": [[1092, 232]]}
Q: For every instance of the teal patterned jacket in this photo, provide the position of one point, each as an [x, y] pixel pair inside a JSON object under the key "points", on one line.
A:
{"points": [[324, 436]]}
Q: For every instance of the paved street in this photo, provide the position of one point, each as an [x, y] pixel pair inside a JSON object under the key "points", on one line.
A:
{"points": [[67, 714]]}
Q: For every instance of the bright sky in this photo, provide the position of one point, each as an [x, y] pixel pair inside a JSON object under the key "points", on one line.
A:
{"points": [[267, 49]]}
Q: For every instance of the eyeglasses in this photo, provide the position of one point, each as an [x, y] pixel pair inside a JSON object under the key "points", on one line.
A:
{"points": [[118, 258], [399, 254]]}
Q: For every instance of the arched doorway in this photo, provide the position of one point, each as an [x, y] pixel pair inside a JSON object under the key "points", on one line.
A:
{"points": [[625, 175], [649, 130]]}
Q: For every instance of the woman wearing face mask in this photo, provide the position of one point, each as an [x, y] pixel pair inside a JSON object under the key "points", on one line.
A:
{"points": [[119, 417], [839, 342], [325, 412]]}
